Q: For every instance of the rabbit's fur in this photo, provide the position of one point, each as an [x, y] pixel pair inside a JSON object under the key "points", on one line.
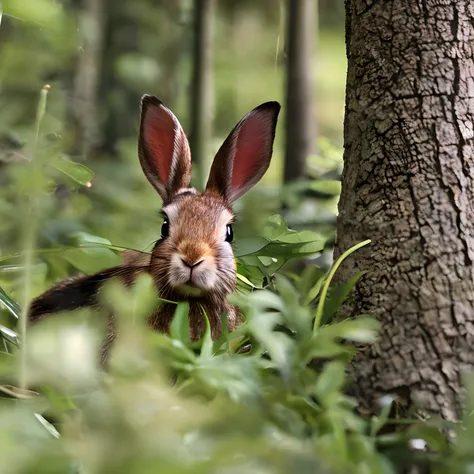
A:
{"points": [[193, 261]]}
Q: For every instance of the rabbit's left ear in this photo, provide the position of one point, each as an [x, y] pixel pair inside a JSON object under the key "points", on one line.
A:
{"points": [[245, 155], [163, 149]]}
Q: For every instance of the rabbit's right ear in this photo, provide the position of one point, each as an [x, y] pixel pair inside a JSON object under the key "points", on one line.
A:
{"points": [[245, 155], [163, 148]]}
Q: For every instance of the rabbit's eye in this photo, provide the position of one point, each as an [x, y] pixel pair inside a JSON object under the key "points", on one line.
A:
{"points": [[165, 228], [229, 234]]}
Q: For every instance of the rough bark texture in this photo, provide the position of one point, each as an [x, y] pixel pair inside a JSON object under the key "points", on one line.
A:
{"points": [[201, 87], [300, 123], [408, 185]]}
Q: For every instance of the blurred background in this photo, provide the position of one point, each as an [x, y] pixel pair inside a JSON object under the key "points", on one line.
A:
{"points": [[210, 62]]}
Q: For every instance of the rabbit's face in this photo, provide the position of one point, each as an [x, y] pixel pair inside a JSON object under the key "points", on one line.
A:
{"points": [[194, 255]]}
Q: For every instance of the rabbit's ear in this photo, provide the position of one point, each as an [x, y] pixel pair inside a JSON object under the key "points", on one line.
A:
{"points": [[163, 148], [245, 155]]}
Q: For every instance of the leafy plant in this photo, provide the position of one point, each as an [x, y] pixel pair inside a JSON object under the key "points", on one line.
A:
{"points": [[269, 397]]}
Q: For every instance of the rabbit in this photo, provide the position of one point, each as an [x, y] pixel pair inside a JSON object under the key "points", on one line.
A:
{"points": [[193, 260]]}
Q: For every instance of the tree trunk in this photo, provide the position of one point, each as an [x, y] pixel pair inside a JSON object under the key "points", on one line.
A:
{"points": [[171, 29], [300, 125], [87, 79], [118, 98], [201, 87], [408, 186]]}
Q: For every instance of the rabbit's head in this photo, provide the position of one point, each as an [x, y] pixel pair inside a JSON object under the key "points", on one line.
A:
{"points": [[194, 256]]}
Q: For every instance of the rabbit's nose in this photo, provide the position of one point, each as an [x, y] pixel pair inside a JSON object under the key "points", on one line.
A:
{"points": [[193, 253], [189, 264]]}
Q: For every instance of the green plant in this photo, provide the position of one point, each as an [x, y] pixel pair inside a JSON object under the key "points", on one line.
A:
{"points": [[251, 400]]}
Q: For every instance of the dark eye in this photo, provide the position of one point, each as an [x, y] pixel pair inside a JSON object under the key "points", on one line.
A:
{"points": [[229, 235], [165, 228]]}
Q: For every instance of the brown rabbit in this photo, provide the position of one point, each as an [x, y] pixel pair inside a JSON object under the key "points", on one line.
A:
{"points": [[193, 261]]}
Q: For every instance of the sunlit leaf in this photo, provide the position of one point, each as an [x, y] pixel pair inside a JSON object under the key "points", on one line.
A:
{"points": [[360, 329], [48, 426], [11, 305], [79, 173], [9, 335]]}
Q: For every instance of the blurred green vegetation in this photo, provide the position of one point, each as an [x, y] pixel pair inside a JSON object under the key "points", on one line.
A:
{"points": [[277, 406], [42, 42]]}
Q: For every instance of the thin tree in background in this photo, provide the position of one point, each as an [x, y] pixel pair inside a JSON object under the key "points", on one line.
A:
{"points": [[300, 123], [408, 184], [86, 111], [201, 87], [174, 45]]}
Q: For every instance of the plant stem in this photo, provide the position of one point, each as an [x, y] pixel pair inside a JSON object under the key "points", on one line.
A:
{"points": [[29, 244], [319, 311]]}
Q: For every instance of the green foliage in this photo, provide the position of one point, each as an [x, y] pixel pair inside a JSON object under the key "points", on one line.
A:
{"points": [[269, 397], [167, 405]]}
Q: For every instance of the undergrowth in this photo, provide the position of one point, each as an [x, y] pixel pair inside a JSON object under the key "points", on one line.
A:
{"points": [[269, 397]]}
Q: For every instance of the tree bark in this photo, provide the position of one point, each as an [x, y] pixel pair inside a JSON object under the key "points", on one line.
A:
{"points": [[408, 186], [201, 87], [300, 124]]}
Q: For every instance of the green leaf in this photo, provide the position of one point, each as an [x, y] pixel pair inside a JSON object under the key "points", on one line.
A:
{"points": [[245, 280], [329, 381], [307, 279], [336, 295], [79, 173], [293, 237], [266, 299], [11, 305], [48, 426], [86, 238], [287, 291], [279, 241], [91, 259], [314, 291], [9, 335], [327, 282], [249, 246], [222, 344], [293, 250], [179, 328], [177, 354], [360, 329], [322, 347], [275, 226], [207, 345]]}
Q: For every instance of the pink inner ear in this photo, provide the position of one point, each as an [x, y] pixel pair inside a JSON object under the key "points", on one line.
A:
{"points": [[159, 132], [252, 148]]}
